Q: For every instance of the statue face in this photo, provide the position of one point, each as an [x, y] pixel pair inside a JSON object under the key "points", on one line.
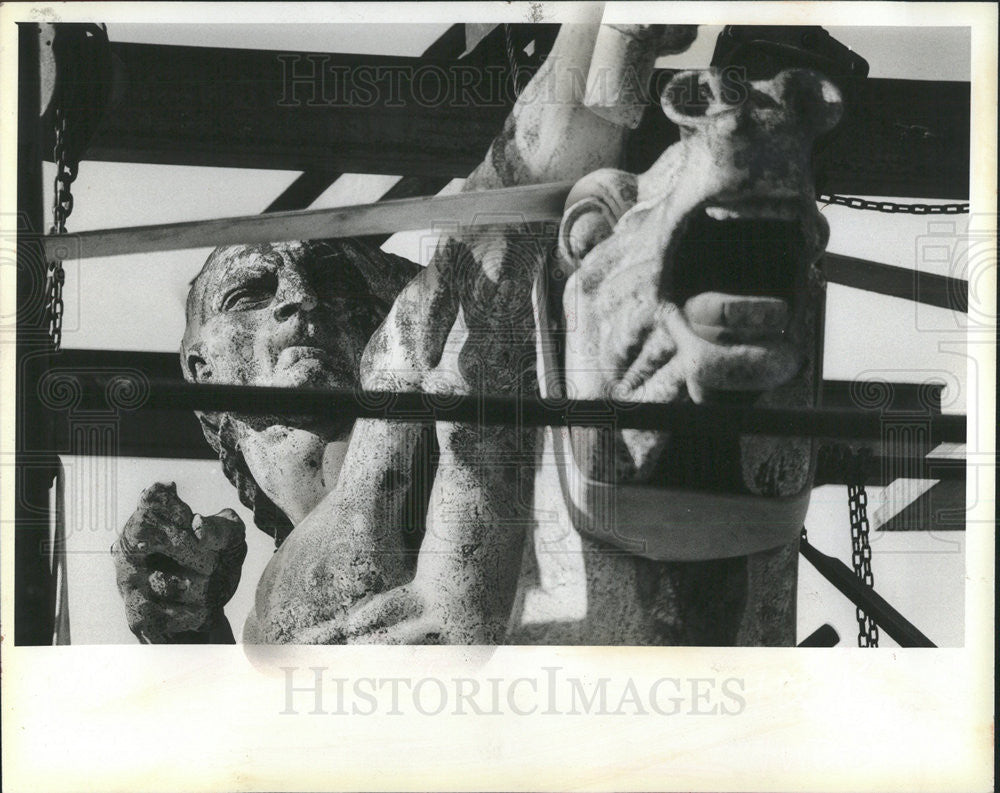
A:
{"points": [[696, 281], [282, 314]]}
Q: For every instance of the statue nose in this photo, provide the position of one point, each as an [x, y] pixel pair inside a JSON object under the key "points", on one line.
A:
{"points": [[295, 295], [693, 97]]}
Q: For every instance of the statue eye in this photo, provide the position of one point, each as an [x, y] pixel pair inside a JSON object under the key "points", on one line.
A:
{"points": [[256, 292]]}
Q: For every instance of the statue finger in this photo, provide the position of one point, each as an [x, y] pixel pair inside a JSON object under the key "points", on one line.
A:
{"points": [[219, 532], [663, 385], [180, 588], [327, 632], [383, 610], [148, 533], [421, 630], [160, 505], [658, 348], [156, 622]]}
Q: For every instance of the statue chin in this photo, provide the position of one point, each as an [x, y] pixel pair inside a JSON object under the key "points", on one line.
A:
{"points": [[327, 429], [311, 367]]}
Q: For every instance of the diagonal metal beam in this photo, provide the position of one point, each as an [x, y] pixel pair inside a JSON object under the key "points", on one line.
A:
{"points": [[878, 608], [886, 279]]}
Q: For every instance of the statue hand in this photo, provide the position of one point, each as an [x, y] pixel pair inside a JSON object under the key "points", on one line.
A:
{"points": [[176, 570], [408, 614]]}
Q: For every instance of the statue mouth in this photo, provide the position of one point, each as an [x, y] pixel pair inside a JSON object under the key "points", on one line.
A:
{"points": [[302, 352], [737, 268]]}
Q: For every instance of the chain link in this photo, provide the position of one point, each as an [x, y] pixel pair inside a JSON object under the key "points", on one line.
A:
{"points": [[861, 552], [62, 207], [853, 202]]}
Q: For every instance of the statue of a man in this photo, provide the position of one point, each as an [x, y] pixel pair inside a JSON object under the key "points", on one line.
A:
{"points": [[675, 302], [301, 314], [282, 314]]}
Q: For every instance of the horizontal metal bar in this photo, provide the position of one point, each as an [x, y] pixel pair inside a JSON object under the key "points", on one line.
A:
{"points": [[163, 433], [885, 279], [883, 470], [508, 205], [689, 419], [426, 117], [875, 606], [895, 397]]}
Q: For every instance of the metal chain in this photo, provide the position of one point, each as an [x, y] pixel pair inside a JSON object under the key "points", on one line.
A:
{"points": [[861, 552], [853, 202], [62, 207]]}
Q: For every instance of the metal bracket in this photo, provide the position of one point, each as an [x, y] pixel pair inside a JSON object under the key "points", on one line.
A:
{"points": [[76, 74]]}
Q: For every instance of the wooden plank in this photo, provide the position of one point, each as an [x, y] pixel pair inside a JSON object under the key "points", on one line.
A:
{"points": [[941, 507], [407, 187], [520, 204], [426, 117], [525, 204]]}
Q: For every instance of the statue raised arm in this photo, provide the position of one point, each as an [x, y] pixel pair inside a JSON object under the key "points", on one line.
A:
{"points": [[464, 325]]}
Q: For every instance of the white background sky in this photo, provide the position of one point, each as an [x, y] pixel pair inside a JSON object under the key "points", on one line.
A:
{"points": [[136, 303]]}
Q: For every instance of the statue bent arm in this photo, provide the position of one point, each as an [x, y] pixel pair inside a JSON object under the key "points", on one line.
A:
{"points": [[463, 325]]}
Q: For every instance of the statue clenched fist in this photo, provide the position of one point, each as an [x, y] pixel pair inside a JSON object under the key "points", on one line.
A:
{"points": [[176, 570]]}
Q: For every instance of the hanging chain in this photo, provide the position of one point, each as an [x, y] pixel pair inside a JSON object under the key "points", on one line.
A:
{"points": [[62, 207], [853, 202], [861, 552]]}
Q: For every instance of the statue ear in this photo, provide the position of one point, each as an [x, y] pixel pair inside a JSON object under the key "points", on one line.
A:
{"points": [[584, 224], [593, 207]]}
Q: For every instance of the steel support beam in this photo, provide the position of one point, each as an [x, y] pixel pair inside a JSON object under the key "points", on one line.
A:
{"points": [[433, 117], [34, 605], [177, 434]]}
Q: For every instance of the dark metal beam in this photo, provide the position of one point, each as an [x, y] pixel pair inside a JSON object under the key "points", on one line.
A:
{"points": [[427, 117], [299, 111], [875, 606], [92, 391], [886, 279], [307, 187], [177, 434], [34, 604], [310, 185]]}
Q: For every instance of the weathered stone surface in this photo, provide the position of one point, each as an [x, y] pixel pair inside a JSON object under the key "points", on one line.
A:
{"points": [[653, 311], [694, 281], [176, 570]]}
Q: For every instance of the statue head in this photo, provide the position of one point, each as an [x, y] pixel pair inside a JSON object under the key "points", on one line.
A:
{"points": [[697, 279], [289, 314]]}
